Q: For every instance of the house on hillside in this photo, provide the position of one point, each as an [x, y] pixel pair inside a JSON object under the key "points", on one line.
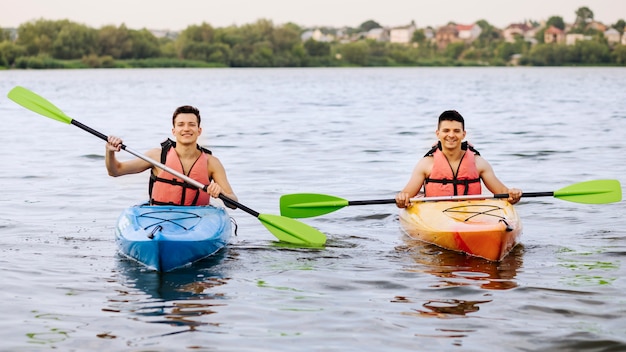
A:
{"points": [[612, 36], [572, 38], [553, 35], [469, 33], [456, 33], [446, 35], [430, 33], [402, 35], [378, 34], [316, 35], [517, 30], [598, 26]]}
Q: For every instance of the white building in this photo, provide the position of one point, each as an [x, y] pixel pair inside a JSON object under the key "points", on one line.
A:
{"points": [[402, 35]]}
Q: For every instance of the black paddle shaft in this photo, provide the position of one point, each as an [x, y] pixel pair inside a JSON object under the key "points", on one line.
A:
{"points": [[204, 188], [92, 131], [354, 202], [497, 196], [369, 202], [238, 205], [526, 194]]}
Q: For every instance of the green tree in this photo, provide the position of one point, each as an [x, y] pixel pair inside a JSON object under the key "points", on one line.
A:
{"points": [[400, 54], [115, 42], [590, 52], [619, 55], [298, 55], [548, 55], [619, 26], [257, 32], [262, 55], [454, 50], [252, 44], [418, 36], [240, 53], [556, 21], [356, 53], [286, 37], [144, 44], [193, 42], [5, 35], [315, 48], [378, 53], [483, 48], [583, 16], [369, 25], [209, 52], [73, 41], [506, 50], [489, 35], [36, 37], [57, 39], [203, 33], [167, 47], [231, 36], [9, 52]]}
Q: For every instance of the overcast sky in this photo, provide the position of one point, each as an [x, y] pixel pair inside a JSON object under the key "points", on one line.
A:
{"points": [[178, 14]]}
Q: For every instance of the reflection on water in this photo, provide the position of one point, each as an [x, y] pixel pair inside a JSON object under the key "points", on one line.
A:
{"points": [[458, 269], [446, 308], [182, 297], [355, 133], [455, 269]]}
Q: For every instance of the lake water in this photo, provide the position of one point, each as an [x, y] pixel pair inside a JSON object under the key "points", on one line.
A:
{"points": [[354, 133]]}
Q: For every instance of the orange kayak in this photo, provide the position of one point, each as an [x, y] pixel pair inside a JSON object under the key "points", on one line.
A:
{"points": [[487, 228]]}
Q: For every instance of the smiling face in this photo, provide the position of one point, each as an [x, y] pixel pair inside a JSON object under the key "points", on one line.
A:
{"points": [[450, 134], [186, 128]]}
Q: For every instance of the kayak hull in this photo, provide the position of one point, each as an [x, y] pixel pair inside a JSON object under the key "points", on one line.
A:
{"points": [[165, 238], [487, 228]]}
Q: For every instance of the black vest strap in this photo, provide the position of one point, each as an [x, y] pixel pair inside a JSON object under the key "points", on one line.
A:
{"points": [[455, 182], [165, 148], [464, 146]]}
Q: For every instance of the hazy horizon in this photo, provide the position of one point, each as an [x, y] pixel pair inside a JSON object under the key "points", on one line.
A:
{"points": [[321, 13]]}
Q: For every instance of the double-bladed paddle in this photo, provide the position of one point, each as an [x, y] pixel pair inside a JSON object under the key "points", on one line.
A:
{"points": [[284, 228], [304, 205]]}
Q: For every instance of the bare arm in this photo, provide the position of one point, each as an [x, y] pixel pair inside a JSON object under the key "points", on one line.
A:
{"points": [[117, 168], [493, 184], [220, 182], [418, 176]]}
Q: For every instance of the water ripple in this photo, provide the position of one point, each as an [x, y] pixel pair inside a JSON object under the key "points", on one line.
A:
{"points": [[356, 133]]}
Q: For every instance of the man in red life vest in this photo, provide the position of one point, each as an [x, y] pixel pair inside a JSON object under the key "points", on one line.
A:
{"points": [[183, 155], [452, 167]]}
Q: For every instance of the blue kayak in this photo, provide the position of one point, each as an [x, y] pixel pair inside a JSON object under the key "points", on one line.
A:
{"points": [[164, 238]]}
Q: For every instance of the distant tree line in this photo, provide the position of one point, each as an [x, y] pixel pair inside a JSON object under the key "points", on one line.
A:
{"points": [[65, 44]]}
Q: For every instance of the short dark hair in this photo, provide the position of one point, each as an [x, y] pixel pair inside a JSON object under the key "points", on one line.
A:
{"points": [[451, 115], [186, 109]]}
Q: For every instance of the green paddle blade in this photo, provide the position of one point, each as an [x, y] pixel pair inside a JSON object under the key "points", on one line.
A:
{"points": [[591, 192], [34, 102], [306, 205], [292, 231]]}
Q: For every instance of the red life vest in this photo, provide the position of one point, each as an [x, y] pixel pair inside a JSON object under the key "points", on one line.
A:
{"points": [[167, 189], [443, 182]]}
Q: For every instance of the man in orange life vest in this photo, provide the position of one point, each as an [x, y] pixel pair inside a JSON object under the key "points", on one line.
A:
{"points": [[452, 167], [183, 155]]}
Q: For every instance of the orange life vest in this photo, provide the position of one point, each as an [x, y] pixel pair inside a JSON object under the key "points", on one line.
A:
{"points": [[167, 189], [443, 182]]}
